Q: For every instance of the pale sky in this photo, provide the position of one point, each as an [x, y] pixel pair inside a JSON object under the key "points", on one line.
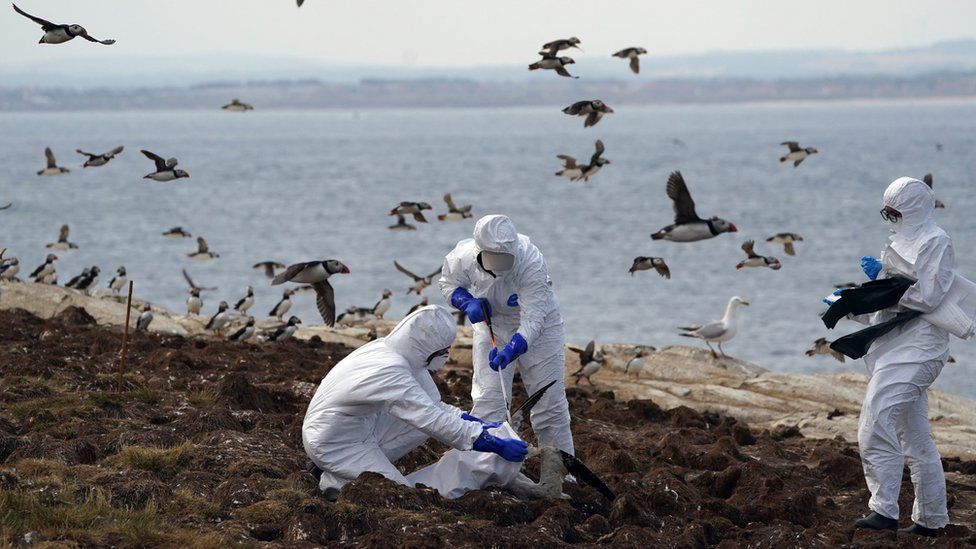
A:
{"points": [[457, 32]]}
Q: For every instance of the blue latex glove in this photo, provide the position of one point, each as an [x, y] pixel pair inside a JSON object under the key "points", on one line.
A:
{"points": [[513, 300], [509, 448], [827, 299], [498, 360], [488, 424], [462, 300], [870, 266]]}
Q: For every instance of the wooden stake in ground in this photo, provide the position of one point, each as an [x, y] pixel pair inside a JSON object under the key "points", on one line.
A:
{"points": [[125, 337]]}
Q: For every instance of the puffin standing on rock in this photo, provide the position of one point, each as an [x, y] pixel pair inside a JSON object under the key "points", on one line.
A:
{"points": [[246, 331], [220, 319], [316, 273], [245, 302], [118, 281], [165, 168], [145, 319], [59, 34], [282, 306], [592, 109], [688, 227], [285, 331], [193, 303], [96, 160]]}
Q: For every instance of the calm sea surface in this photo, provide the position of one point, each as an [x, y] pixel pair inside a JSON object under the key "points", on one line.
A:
{"points": [[296, 185]]}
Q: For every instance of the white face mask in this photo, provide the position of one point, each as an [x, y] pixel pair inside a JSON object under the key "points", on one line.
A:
{"points": [[437, 363]]}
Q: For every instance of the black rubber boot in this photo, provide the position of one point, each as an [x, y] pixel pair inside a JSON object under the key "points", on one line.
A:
{"points": [[920, 530], [876, 521]]}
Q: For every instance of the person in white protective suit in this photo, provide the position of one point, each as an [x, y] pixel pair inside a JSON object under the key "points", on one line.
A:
{"points": [[903, 363], [381, 402], [500, 271]]}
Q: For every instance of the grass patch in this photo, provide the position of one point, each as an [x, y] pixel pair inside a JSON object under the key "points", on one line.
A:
{"points": [[59, 406], [163, 461], [147, 396], [202, 397], [185, 504]]}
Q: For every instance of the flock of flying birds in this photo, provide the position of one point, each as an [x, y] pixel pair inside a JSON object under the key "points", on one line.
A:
{"points": [[688, 226]]}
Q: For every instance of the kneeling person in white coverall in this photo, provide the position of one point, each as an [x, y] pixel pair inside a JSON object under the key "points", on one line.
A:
{"points": [[500, 271], [903, 363], [380, 402]]}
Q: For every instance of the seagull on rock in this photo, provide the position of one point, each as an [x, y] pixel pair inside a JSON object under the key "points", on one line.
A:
{"points": [[717, 332]]}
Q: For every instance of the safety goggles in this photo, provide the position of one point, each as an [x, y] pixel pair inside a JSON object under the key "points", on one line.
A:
{"points": [[890, 215], [496, 261]]}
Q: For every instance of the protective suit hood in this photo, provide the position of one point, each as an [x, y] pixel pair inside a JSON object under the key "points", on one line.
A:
{"points": [[496, 233], [916, 202], [421, 333]]}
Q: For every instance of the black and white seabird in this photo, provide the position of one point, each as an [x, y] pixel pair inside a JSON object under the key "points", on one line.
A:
{"points": [[268, 267], [688, 227], [86, 281], [554, 47], [203, 251], [165, 168], [236, 106], [423, 303], [44, 270], [283, 306], [796, 154], [193, 303], [316, 273], [96, 160], [592, 109], [420, 282], [596, 162], [787, 240], [552, 62], [571, 170], [383, 305], [219, 319], [822, 347], [636, 364], [6, 207], [245, 333], [402, 225], [285, 331], [118, 281], [455, 213], [195, 286], [644, 263], [145, 319], [62, 244], [632, 54], [354, 315], [412, 208], [927, 179], [245, 302], [755, 260], [75, 279], [52, 165], [59, 34], [9, 268], [591, 361], [176, 233]]}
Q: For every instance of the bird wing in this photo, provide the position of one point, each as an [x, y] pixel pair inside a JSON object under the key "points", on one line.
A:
{"points": [[325, 301], [115, 151], [239, 303], [419, 217], [622, 53], [51, 163], [568, 161], [683, 205], [793, 145], [837, 355], [63, 233], [160, 162], [663, 270], [749, 248], [592, 119], [788, 248], [79, 151], [927, 179], [711, 331], [37, 271], [44, 23], [576, 468], [450, 202], [406, 272], [289, 273], [561, 71], [599, 151], [587, 356], [9, 204], [519, 413], [236, 335], [189, 280], [635, 65], [171, 162], [435, 273], [576, 107], [97, 41], [201, 245]]}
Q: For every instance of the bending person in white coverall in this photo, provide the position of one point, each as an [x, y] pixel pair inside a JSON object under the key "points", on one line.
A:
{"points": [[903, 363], [380, 402], [503, 272]]}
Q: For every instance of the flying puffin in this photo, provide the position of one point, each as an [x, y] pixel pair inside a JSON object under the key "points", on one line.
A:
{"points": [[118, 281], [454, 213], [551, 62], [246, 331], [420, 282], [62, 244], [412, 208], [787, 240], [285, 331], [236, 106], [6, 206], [596, 162], [592, 109], [245, 302], [96, 160], [554, 47], [316, 273], [755, 260], [52, 165], [571, 170], [59, 34], [282, 306], [203, 251], [194, 285], [146, 318], [688, 227], [822, 347], [268, 267], [165, 169], [401, 224], [632, 54], [176, 233], [643, 263], [796, 154]]}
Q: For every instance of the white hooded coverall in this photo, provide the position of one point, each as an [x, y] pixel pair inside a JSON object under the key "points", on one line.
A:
{"points": [[903, 363], [381, 402], [534, 314]]}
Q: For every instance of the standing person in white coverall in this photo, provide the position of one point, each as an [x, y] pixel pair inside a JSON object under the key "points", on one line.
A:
{"points": [[502, 271], [380, 402], [903, 363]]}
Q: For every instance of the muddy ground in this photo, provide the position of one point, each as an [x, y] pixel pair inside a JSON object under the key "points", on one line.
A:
{"points": [[202, 448]]}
